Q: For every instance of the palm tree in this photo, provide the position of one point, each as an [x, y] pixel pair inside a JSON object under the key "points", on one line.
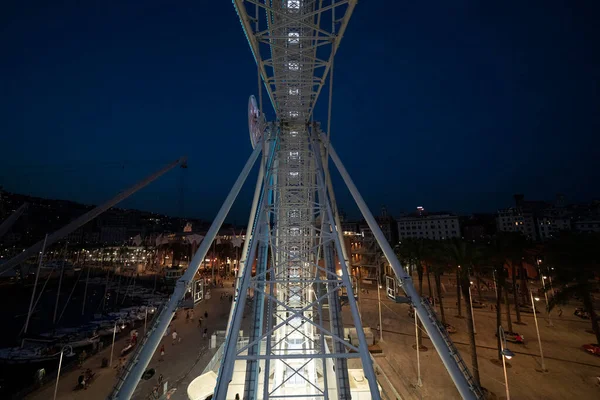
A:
{"points": [[414, 250], [463, 255], [497, 254], [576, 262], [516, 244], [438, 263]]}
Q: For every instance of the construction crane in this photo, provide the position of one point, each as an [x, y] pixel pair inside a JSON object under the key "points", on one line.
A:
{"points": [[88, 216], [10, 221]]}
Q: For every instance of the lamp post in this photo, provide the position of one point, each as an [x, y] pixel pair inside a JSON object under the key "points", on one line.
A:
{"points": [[112, 348], [506, 355], [379, 301], [471, 302], [495, 287], [60, 365], [537, 329], [419, 383], [542, 278], [146, 317]]}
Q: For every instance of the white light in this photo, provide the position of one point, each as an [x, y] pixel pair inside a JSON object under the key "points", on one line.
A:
{"points": [[294, 173], [294, 91], [293, 133], [293, 65], [293, 4], [293, 37]]}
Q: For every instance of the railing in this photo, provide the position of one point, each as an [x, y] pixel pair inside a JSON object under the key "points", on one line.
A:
{"points": [[215, 361], [134, 356], [453, 350]]}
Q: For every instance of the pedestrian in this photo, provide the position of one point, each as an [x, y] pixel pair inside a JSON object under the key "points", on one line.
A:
{"points": [[82, 357], [205, 333], [560, 312], [200, 322], [174, 335], [160, 379], [192, 314], [187, 317], [206, 314], [162, 353]]}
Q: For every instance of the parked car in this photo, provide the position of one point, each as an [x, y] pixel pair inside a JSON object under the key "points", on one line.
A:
{"points": [[478, 304], [581, 313], [592, 348], [514, 337], [526, 308]]}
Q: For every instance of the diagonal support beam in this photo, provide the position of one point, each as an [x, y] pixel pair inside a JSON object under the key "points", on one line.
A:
{"points": [[466, 390], [163, 320]]}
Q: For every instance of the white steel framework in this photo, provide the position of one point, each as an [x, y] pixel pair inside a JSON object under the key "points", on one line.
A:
{"points": [[293, 259]]}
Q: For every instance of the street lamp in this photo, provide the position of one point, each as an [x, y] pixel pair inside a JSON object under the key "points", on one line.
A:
{"points": [[419, 382], [506, 355], [112, 349], [379, 301], [542, 278], [146, 317], [537, 329], [60, 365], [472, 313]]}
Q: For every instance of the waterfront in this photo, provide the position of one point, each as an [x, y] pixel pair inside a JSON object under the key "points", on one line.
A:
{"points": [[17, 378]]}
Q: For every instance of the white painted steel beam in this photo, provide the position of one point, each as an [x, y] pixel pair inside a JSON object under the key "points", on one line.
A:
{"points": [[162, 321]]}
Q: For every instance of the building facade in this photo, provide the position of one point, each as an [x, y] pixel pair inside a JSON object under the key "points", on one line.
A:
{"points": [[514, 219], [422, 225]]}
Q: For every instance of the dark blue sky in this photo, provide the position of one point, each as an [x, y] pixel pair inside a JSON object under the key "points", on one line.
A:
{"points": [[449, 105]]}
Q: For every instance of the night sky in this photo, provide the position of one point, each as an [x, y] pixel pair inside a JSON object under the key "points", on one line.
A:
{"points": [[447, 105]]}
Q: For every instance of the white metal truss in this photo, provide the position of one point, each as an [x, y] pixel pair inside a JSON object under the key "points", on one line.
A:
{"points": [[290, 350], [294, 43], [294, 239]]}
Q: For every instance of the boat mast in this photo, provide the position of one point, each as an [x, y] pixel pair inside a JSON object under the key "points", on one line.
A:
{"points": [[62, 271], [118, 288], [107, 275], [37, 275], [86, 284]]}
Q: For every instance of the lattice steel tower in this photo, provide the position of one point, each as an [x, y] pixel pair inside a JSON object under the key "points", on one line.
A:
{"points": [[294, 261]]}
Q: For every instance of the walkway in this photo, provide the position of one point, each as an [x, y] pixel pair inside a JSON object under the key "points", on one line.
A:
{"points": [[182, 363]]}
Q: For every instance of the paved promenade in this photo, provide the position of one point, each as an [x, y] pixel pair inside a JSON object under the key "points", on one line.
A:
{"points": [[571, 372], [183, 361]]}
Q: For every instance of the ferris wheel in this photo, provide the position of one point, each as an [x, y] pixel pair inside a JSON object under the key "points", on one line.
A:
{"points": [[294, 260]]}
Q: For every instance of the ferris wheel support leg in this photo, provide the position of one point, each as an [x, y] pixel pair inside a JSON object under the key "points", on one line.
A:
{"points": [[455, 373], [365, 357], [250, 227], [231, 340], [164, 318]]}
